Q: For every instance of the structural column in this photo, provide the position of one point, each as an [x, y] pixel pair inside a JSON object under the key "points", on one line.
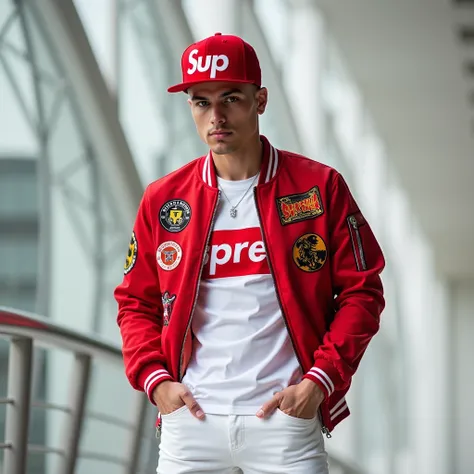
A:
{"points": [[302, 72], [209, 17], [462, 381]]}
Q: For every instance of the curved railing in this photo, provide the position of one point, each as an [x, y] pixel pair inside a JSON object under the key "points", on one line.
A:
{"points": [[24, 330]]}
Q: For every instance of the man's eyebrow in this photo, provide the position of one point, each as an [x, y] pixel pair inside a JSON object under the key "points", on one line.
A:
{"points": [[232, 91], [198, 97], [224, 94]]}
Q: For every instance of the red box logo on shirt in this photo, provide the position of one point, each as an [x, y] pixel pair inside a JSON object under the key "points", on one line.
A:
{"points": [[236, 253]]}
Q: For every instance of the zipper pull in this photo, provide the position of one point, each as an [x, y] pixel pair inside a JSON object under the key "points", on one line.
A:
{"points": [[354, 222], [326, 432], [158, 426]]}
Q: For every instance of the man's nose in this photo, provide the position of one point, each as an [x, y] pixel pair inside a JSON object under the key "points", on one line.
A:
{"points": [[217, 115]]}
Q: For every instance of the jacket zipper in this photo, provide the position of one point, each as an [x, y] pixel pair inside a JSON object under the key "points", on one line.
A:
{"points": [[325, 431], [197, 287], [355, 225], [323, 428]]}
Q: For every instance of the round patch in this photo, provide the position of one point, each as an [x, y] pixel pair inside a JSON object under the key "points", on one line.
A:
{"points": [[310, 253], [168, 255], [132, 254], [175, 215]]}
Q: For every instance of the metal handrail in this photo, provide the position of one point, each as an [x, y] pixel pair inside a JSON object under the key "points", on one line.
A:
{"points": [[24, 329], [14, 322]]}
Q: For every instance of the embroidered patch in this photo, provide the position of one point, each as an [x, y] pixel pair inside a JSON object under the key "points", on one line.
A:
{"points": [[300, 207], [168, 255], [175, 215], [310, 253], [131, 255], [168, 302]]}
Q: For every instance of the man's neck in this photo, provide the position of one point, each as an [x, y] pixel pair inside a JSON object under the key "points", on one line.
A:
{"points": [[242, 164]]}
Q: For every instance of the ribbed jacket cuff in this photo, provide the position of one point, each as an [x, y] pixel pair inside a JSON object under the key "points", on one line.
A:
{"points": [[325, 376], [150, 377]]}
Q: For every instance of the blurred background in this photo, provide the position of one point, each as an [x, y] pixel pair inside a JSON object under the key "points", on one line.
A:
{"points": [[381, 90]]}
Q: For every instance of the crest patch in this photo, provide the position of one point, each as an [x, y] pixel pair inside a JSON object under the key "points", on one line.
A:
{"points": [[168, 255], [175, 215], [168, 302], [131, 257], [310, 253], [300, 207]]}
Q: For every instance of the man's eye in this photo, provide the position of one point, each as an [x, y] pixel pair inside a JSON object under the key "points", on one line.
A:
{"points": [[201, 103], [231, 99]]}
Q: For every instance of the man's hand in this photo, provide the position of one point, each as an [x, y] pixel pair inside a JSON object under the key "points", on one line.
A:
{"points": [[170, 396], [301, 401]]}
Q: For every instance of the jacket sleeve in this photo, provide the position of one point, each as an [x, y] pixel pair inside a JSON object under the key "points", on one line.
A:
{"points": [[356, 263], [140, 310]]}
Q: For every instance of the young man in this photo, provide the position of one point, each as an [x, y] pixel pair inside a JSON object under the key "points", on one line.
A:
{"points": [[251, 287]]}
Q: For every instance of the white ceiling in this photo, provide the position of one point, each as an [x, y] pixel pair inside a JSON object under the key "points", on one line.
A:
{"points": [[407, 60]]}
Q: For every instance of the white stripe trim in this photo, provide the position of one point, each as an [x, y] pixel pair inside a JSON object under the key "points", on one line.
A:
{"points": [[206, 172], [338, 412], [275, 164], [314, 374], [326, 376], [209, 180], [153, 380], [270, 165], [337, 405], [204, 169], [147, 380]]}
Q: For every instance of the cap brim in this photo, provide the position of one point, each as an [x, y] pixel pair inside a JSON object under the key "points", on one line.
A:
{"points": [[179, 87], [184, 86]]}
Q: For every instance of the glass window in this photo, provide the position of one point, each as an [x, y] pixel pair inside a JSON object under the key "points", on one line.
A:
{"points": [[18, 255], [18, 189]]}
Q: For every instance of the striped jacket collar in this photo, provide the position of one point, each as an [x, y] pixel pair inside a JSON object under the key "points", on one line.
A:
{"points": [[271, 161]]}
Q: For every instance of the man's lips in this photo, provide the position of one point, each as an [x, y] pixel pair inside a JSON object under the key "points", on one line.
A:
{"points": [[220, 133]]}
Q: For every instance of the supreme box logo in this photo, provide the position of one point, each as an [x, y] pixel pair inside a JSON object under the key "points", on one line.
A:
{"points": [[234, 253]]}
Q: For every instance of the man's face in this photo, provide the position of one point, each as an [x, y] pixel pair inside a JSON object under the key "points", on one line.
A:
{"points": [[226, 113]]}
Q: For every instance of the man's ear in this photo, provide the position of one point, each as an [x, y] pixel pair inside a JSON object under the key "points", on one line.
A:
{"points": [[262, 99]]}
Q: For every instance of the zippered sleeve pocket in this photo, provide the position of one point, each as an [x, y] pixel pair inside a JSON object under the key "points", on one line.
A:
{"points": [[356, 223]]}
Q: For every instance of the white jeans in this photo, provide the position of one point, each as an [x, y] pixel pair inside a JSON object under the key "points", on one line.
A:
{"points": [[221, 444]]}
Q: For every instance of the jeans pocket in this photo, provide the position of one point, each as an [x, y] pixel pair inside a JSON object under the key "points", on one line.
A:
{"points": [[175, 413], [296, 420]]}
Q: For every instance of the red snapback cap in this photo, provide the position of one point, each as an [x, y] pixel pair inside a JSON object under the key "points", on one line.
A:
{"points": [[219, 58]]}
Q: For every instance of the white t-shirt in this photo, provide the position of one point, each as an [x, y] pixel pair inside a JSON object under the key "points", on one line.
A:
{"points": [[242, 352]]}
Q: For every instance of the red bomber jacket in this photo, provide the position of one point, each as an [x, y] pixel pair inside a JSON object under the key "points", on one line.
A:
{"points": [[322, 254]]}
